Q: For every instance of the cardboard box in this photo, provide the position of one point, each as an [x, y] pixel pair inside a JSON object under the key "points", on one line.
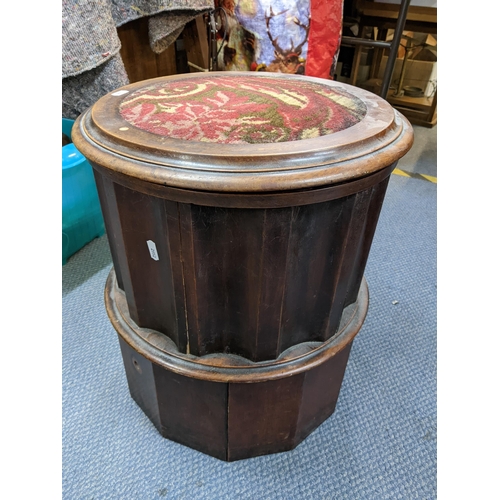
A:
{"points": [[421, 74], [418, 41]]}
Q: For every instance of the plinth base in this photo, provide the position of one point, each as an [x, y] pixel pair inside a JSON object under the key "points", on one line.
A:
{"points": [[225, 405]]}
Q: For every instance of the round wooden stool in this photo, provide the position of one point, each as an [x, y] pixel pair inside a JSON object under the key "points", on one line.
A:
{"points": [[240, 210]]}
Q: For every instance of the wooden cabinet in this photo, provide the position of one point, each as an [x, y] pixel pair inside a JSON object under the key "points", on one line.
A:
{"points": [[240, 209], [383, 17], [141, 63]]}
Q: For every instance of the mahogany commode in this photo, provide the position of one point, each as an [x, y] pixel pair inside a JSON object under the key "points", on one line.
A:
{"points": [[240, 210]]}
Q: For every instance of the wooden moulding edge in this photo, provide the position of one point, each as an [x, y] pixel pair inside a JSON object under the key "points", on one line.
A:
{"points": [[309, 170], [250, 372]]}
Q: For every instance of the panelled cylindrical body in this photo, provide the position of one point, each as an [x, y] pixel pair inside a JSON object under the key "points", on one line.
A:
{"points": [[240, 210], [240, 280]]}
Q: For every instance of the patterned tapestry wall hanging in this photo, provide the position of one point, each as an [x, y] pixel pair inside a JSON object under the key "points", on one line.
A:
{"points": [[285, 36]]}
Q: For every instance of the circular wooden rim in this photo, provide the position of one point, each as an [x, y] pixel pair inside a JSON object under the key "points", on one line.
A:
{"points": [[249, 200], [379, 139], [108, 125], [158, 349]]}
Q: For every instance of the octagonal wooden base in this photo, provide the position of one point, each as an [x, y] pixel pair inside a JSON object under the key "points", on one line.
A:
{"points": [[225, 405]]}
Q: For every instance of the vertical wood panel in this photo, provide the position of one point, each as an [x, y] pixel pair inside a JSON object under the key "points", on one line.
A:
{"points": [[227, 247], [165, 62], [141, 382], [320, 392], [175, 252], [107, 194], [143, 219], [138, 58], [269, 423], [348, 259], [316, 248], [376, 200], [242, 238], [275, 240], [196, 42], [189, 278], [112, 224], [198, 421]]}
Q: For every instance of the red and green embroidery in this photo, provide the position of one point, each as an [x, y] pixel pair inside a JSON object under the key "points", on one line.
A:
{"points": [[235, 110]]}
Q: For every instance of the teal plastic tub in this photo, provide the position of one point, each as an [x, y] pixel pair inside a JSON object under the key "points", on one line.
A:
{"points": [[81, 212]]}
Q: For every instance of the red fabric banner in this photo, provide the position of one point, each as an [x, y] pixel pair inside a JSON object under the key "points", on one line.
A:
{"points": [[324, 37]]}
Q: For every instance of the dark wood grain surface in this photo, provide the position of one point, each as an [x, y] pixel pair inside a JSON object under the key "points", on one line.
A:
{"points": [[233, 411], [193, 412], [239, 270], [251, 282], [138, 58]]}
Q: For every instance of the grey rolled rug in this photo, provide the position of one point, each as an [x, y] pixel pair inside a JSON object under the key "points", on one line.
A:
{"points": [[91, 62]]}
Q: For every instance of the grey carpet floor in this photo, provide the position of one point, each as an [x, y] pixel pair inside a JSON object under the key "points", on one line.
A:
{"points": [[379, 444], [422, 156]]}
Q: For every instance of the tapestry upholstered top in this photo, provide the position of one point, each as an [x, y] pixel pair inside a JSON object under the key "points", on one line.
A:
{"points": [[236, 110]]}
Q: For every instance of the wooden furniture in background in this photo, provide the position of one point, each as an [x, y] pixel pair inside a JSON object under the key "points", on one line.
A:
{"points": [[141, 63], [139, 60], [384, 16], [393, 47], [237, 287], [419, 110], [195, 41]]}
